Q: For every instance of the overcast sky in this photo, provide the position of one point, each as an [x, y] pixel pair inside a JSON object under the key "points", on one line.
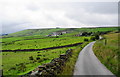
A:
{"points": [[16, 15]]}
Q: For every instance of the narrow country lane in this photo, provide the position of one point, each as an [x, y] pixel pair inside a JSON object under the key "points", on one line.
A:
{"points": [[88, 64]]}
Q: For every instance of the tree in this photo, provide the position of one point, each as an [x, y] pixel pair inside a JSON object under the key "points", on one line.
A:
{"points": [[96, 37], [84, 34]]}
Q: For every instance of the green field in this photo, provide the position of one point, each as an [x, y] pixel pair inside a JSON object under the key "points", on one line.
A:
{"points": [[108, 52], [19, 63], [42, 43], [38, 41]]}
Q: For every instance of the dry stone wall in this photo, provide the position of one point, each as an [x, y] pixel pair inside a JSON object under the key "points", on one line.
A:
{"points": [[53, 68]]}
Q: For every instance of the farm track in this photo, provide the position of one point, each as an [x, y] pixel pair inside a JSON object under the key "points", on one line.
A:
{"points": [[70, 45]]}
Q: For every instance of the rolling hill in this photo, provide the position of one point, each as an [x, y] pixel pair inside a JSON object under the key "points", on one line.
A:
{"points": [[43, 32]]}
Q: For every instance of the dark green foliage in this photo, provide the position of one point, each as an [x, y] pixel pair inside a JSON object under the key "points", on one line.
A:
{"points": [[96, 37], [40, 60], [39, 55], [45, 59], [85, 39], [31, 58], [84, 34], [37, 58], [12, 68], [57, 36], [22, 67], [92, 38]]}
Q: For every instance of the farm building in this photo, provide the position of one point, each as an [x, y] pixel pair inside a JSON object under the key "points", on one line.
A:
{"points": [[56, 33]]}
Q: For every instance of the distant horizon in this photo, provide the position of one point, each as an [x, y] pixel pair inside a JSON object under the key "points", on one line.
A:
{"points": [[60, 27]]}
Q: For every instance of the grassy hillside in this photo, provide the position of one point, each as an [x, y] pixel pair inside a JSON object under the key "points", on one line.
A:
{"points": [[40, 32], [102, 29], [43, 32], [107, 52]]}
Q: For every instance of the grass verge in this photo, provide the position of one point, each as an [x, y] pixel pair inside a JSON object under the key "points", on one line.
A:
{"points": [[107, 52], [68, 69]]}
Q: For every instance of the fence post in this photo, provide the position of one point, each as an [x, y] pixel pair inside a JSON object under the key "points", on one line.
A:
{"points": [[105, 41]]}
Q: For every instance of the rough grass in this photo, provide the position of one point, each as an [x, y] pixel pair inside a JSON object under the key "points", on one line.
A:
{"points": [[11, 60], [0, 60], [68, 69], [108, 53]]}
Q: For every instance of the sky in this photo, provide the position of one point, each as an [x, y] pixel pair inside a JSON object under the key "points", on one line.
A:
{"points": [[17, 15]]}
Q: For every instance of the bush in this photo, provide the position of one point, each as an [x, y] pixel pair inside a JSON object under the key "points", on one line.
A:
{"points": [[13, 68], [22, 67], [39, 55], [97, 37], [40, 60], [85, 39], [57, 36], [92, 38], [45, 58], [31, 58], [38, 52], [37, 58]]}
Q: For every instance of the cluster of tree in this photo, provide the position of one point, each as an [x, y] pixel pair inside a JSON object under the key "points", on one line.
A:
{"points": [[101, 33], [94, 33], [96, 37], [86, 33], [93, 38], [85, 39]]}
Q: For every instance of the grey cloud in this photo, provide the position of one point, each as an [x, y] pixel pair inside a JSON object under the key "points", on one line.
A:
{"points": [[93, 7], [73, 14], [95, 13], [104, 7]]}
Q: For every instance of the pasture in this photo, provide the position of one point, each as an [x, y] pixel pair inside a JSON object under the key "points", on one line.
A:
{"points": [[41, 43], [19, 63]]}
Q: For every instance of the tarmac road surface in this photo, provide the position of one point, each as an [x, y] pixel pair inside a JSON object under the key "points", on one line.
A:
{"points": [[88, 64]]}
